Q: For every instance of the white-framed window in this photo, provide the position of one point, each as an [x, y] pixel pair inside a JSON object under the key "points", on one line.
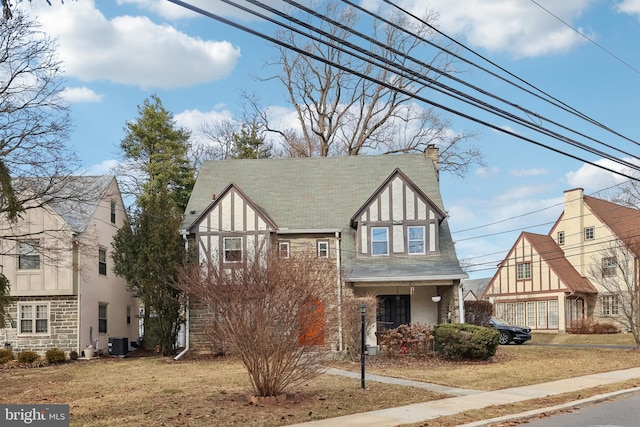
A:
{"points": [[531, 314], [323, 249], [34, 318], [128, 315], [553, 314], [102, 261], [523, 270], [416, 240], [113, 212], [29, 255], [609, 305], [560, 237], [283, 249], [232, 247], [102, 318], [542, 315], [609, 267], [379, 241], [589, 233]]}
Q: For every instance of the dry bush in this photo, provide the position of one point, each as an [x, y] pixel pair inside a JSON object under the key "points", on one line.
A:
{"points": [[591, 326], [415, 339], [478, 312], [352, 323], [272, 312]]}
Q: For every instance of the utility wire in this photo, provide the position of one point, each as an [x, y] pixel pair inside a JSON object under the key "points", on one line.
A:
{"points": [[477, 103]]}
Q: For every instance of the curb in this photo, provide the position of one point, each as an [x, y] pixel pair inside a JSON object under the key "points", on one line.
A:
{"points": [[573, 404]]}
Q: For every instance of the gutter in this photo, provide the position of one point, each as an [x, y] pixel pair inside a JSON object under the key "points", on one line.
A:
{"points": [[186, 310]]}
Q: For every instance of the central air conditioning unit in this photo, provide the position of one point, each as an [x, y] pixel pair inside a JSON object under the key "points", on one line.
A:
{"points": [[118, 346]]}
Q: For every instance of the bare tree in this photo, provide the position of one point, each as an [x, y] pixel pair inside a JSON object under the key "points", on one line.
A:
{"points": [[342, 113], [272, 312], [616, 269]]}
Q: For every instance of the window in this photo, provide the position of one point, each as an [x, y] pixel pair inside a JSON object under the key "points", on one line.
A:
{"points": [[561, 237], [379, 241], [608, 267], [524, 270], [34, 318], [589, 233], [542, 315], [232, 249], [323, 249], [609, 305], [113, 212], [128, 315], [102, 261], [553, 314], [102, 318], [283, 249], [29, 256], [416, 239]]}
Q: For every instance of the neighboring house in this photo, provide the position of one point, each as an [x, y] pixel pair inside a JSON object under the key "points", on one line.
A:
{"points": [[380, 219], [472, 289], [57, 258], [546, 281]]}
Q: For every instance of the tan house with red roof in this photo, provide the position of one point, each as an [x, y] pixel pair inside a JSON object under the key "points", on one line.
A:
{"points": [[546, 281]]}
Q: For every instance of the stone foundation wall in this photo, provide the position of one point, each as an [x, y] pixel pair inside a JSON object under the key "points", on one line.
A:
{"points": [[63, 326]]}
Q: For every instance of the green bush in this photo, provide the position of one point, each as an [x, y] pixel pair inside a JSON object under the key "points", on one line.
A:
{"points": [[55, 355], [28, 356], [5, 356], [73, 355], [464, 341]]}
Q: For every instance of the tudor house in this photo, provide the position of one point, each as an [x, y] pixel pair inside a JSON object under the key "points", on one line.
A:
{"points": [[57, 260], [548, 281], [379, 219]]}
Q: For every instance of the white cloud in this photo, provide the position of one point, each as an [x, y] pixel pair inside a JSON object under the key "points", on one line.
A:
{"points": [[528, 172], [81, 94], [103, 168], [630, 6], [132, 50], [171, 10], [593, 179], [486, 172], [517, 27]]}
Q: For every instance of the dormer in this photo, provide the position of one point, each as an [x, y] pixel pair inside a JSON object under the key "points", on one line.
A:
{"points": [[397, 220]]}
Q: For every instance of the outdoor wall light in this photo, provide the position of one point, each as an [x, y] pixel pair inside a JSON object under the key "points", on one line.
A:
{"points": [[436, 298]]}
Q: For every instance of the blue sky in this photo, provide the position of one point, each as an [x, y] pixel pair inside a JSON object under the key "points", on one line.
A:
{"points": [[117, 53]]}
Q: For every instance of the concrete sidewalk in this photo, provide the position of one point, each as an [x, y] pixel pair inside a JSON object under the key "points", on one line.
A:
{"points": [[474, 399]]}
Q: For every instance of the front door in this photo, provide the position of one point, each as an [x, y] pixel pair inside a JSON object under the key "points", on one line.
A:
{"points": [[393, 311]]}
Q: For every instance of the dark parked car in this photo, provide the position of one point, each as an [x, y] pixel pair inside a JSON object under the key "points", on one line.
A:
{"points": [[508, 333]]}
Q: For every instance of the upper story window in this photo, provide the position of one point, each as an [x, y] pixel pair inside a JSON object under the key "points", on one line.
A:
{"points": [[34, 318], [523, 270], [561, 237], [323, 249], [102, 261], [416, 240], [609, 267], [379, 241], [232, 247], [283, 249], [113, 212], [29, 255], [589, 233]]}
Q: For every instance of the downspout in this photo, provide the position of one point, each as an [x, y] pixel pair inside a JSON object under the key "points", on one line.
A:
{"points": [[460, 303], [77, 285], [186, 311], [339, 288]]}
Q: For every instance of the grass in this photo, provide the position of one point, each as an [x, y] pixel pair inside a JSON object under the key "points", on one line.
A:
{"points": [[156, 391]]}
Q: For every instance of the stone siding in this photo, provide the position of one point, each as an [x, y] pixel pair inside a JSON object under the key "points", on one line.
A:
{"points": [[63, 326]]}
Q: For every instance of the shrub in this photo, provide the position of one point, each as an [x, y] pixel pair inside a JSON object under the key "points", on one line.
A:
{"points": [[5, 356], [464, 341], [28, 356], [73, 355], [55, 355], [477, 312], [415, 338], [591, 326], [352, 322]]}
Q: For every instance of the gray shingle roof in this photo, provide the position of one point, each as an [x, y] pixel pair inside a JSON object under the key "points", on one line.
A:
{"points": [[324, 193]]}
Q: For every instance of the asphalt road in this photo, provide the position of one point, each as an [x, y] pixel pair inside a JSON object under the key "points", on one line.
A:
{"points": [[622, 411]]}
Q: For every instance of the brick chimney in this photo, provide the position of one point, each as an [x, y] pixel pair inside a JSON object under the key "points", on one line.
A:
{"points": [[432, 153]]}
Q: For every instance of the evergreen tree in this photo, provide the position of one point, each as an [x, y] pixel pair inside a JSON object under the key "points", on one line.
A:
{"points": [[250, 144]]}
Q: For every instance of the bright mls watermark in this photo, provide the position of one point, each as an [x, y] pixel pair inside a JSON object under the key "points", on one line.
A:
{"points": [[34, 415]]}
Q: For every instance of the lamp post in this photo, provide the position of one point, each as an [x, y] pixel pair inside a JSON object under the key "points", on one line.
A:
{"points": [[363, 311]]}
